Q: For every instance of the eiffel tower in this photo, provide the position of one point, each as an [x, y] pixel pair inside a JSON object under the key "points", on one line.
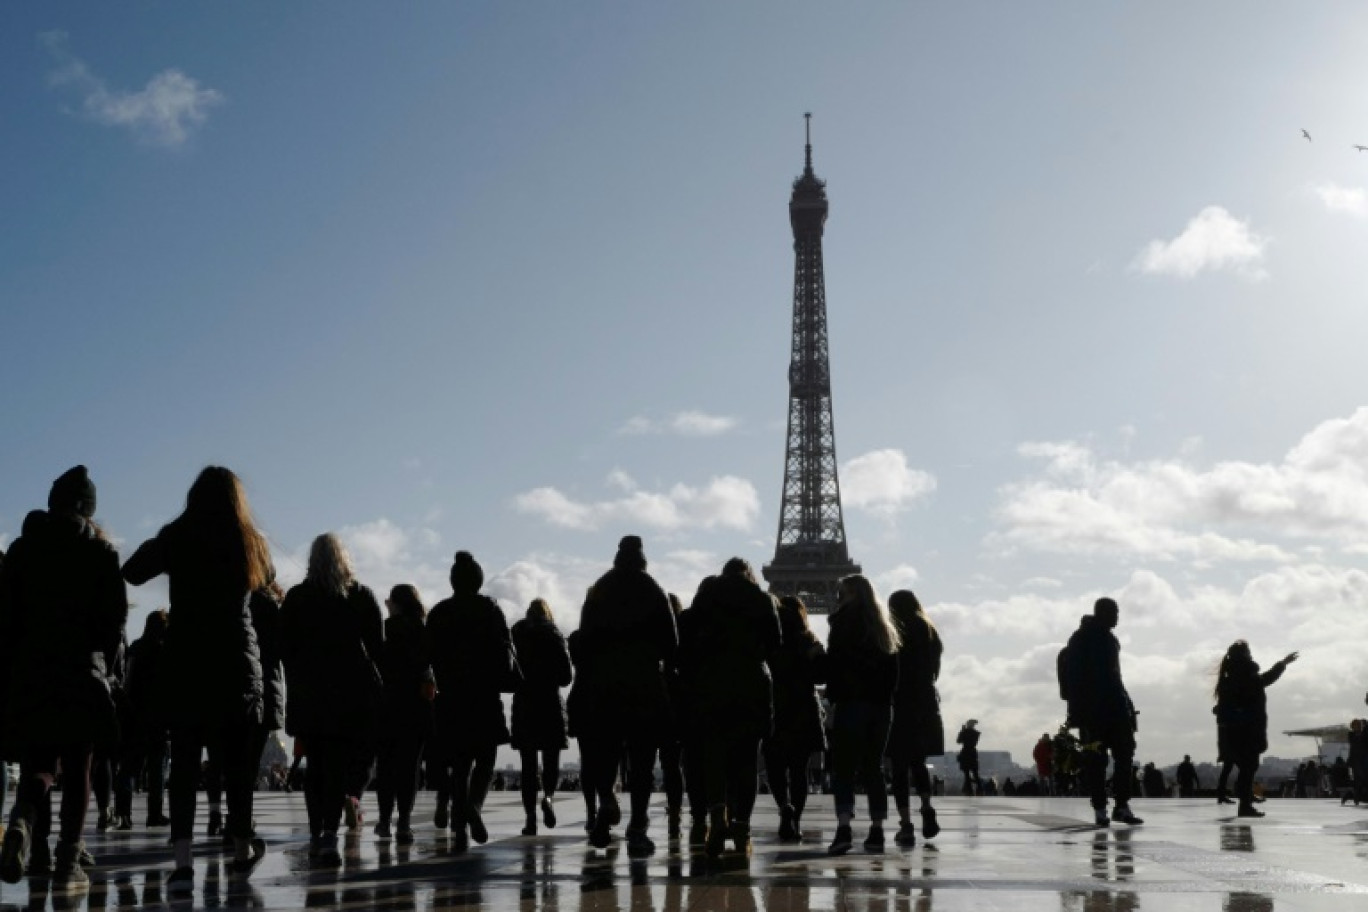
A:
{"points": [[810, 556]]}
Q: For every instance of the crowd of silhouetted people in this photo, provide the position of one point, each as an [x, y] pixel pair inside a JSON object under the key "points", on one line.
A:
{"points": [[414, 693]]}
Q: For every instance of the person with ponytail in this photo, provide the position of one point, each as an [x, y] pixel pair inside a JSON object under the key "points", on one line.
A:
{"points": [[862, 678]]}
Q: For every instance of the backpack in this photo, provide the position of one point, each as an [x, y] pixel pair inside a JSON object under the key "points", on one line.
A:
{"points": [[1067, 673]]}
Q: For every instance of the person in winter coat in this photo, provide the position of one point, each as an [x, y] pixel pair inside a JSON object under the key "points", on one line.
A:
{"points": [[734, 631], [330, 637], [144, 742], [1043, 755], [918, 732], [862, 680], [796, 668], [102, 781], [968, 759], [211, 683], [406, 723], [1102, 709], [473, 662], [539, 726], [264, 606], [1242, 716], [626, 640], [62, 615], [673, 761]]}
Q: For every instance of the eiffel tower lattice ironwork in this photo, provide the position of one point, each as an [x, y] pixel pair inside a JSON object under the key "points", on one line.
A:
{"points": [[811, 556]]}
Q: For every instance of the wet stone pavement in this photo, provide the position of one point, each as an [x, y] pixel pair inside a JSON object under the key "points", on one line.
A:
{"points": [[1018, 854]]}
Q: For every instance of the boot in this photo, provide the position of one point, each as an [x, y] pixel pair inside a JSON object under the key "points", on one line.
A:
{"points": [[906, 837], [797, 825], [530, 827], [717, 830], [698, 832], [741, 837], [476, 824], [672, 822], [874, 842], [639, 845], [104, 820], [842, 841], [786, 823], [1247, 809], [155, 817], [929, 825], [439, 817], [14, 855], [548, 812], [68, 876]]}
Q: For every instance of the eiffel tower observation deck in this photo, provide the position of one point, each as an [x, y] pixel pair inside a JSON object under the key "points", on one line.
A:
{"points": [[810, 556]]}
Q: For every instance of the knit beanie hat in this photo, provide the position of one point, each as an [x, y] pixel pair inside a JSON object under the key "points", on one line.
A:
{"points": [[629, 553], [74, 492], [466, 575]]}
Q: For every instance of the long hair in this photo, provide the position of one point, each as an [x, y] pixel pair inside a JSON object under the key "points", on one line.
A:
{"points": [[406, 602], [793, 619], [329, 565], [909, 615], [216, 508], [540, 612], [875, 628], [1235, 656]]}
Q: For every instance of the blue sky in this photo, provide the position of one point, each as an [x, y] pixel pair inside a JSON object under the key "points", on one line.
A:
{"points": [[518, 280]]}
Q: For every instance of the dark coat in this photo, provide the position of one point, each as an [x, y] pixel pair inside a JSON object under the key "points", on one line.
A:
{"points": [[265, 612], [142, 678], [1242, 710], [856, 671], [62, 613], [796, 669], [918, 731], [329, 643], [733, 631], [408, 677], [211, 665], [968, 739], [625, 640], [469, 647], [1100, 699], [538, 711]]}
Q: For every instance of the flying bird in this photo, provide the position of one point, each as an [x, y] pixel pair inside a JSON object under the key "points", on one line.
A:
{"points": [[1307, 135]]}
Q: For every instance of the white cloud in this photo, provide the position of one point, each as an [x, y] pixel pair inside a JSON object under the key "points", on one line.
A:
{"points": [[903, 576], [1353, 200], [1082, 504], [1214, 241], [164, 112], [725, 502], [684, 424], [882, 483]]}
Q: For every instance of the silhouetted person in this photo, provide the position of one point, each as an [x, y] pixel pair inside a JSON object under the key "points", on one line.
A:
{"points": [[473, 662], [264, 606], [106, 755], [1100, 706], [918, 731], [406, 721], [1242, 716], [732, 633], [625, 641], [212, 687], [968, 759], [539, 726], [144, 739], [672, 753], [331, 637], [1186, 774], [1153, 781], [1358, 759], [862, 679], [797, 668], [1043, 755], [62, 614]]}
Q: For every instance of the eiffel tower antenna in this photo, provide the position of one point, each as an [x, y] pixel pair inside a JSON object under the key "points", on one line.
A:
{"points": [[810, 556]]}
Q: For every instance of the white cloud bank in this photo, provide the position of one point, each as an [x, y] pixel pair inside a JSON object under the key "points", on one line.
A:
{"points": [[1213, 241], [725, 502], [683, 424], [882, 483], [1169, 509], [164, 112], [1351, 200]]}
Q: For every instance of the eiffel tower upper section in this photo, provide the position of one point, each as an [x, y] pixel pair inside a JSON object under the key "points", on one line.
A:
{"points": [[810, 556]]}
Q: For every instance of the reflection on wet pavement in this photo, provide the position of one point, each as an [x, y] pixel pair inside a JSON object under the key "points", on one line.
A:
{"points": [[1009, 854]]}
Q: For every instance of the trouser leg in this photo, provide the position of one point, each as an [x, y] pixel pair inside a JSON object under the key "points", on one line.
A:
{"points": [[743, 777]]}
